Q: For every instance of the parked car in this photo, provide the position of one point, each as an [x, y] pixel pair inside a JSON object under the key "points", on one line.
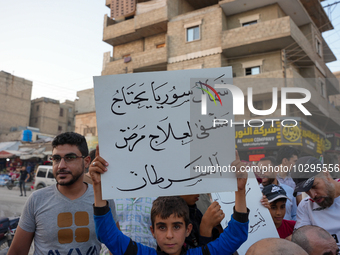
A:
{"points": [[44, 177]]}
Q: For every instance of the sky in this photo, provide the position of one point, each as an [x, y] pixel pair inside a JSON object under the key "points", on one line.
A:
{"points": [[58, 44]]}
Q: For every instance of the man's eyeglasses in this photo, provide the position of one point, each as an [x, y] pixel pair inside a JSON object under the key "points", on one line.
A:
{"points": [[69, 158]]}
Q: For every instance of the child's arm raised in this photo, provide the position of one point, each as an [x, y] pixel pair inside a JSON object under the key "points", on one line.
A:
{"points": [[240, 194], [97, 168]]}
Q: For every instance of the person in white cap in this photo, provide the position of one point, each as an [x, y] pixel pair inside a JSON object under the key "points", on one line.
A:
{"points": [[277, 198]]}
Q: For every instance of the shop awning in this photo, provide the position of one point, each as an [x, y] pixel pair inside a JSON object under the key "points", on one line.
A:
{"points": [[33, 153], [9, 153]]}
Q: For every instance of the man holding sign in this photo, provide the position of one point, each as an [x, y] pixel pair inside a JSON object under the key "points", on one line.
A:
{"points": [[170, 221]]}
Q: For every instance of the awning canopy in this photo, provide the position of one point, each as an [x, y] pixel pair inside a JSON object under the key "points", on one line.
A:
{"points": [[9, 153], [33, 153]]}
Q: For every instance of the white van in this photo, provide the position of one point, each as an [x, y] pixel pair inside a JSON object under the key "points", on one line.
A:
{"points": [[44, 177]]}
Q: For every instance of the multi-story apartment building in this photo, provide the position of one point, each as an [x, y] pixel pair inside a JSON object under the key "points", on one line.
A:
{"points": [[66, 116], [335, 99], [51, 117], [15, 102], [267, 43], [85, 117]]}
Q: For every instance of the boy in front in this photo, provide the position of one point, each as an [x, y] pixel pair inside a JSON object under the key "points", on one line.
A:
{"points": [[170, 222], [277, 198]]}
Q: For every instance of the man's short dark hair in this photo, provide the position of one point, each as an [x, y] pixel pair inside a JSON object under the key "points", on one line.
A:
{"points": [[72, 138], [165, 206], [286, 152], [271, 159]]}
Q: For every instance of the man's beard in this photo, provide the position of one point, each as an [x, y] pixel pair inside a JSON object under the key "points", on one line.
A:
{"points": [[74, 177], [329, 199], [73, 180]]}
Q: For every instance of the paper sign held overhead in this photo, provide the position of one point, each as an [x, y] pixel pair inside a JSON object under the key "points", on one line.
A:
{"points": [[261, 224], [153, 134]]}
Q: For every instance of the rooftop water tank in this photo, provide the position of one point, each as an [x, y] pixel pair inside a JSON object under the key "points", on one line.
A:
{"points": [[27, 135]]}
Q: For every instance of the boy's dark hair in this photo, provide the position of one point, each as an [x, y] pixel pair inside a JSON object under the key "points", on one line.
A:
{"points": [[286, 152], [279, 200], [271, 159], [165, 206], [72, 139]]}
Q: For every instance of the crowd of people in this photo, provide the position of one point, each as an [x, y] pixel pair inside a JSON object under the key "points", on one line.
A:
{"points": [[72, 218]]}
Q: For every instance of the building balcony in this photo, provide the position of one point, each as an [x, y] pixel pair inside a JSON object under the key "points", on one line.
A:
{"points": [[269, 36], [322, 111], [332, 83], [142, 25], [152, 60], [318, 15]]}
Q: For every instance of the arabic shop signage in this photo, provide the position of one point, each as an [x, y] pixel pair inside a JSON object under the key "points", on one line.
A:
{"points": [[303, 135], [292, 134], [332, 142], [255, 137]]}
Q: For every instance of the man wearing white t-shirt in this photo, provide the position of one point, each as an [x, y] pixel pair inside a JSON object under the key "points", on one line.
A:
{"points": [[322, 207]]}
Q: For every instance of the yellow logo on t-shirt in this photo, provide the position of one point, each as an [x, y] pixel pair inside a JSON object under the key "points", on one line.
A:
{"points": [[65, 221]]}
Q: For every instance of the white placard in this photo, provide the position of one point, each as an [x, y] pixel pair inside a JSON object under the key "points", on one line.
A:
{"points": [[154, 137], [261, 224]]}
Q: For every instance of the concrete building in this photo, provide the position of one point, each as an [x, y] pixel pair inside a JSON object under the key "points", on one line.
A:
{"points": [[267, 43], [85, 117], [335, 99], [51, 117], [67, 116], [15, 102]]}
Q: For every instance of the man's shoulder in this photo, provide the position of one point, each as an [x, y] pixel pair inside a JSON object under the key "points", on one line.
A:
{"points": [[44, 191], [305, 203], [41, 197]]}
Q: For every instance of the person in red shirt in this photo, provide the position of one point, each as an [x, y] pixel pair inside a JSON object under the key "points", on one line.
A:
{"points": [[277, 198]]}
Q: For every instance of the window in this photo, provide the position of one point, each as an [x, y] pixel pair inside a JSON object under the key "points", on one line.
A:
{"points": [[253, 70], [37, 108], [193, 33], [69, 123], [252, 67], [162, 45], [322, 88], [90, 130], [249, 23], [42, 172], [318, 46], [50, 174], [60, 128], [249, 20], [70, 110], [193, 30], [61, 113]]}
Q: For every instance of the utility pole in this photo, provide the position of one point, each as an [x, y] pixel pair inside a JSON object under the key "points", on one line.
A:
{"points": [[284, 65]]}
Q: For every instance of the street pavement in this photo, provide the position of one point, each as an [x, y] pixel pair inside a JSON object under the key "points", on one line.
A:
{"points": [[12, 204]]}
